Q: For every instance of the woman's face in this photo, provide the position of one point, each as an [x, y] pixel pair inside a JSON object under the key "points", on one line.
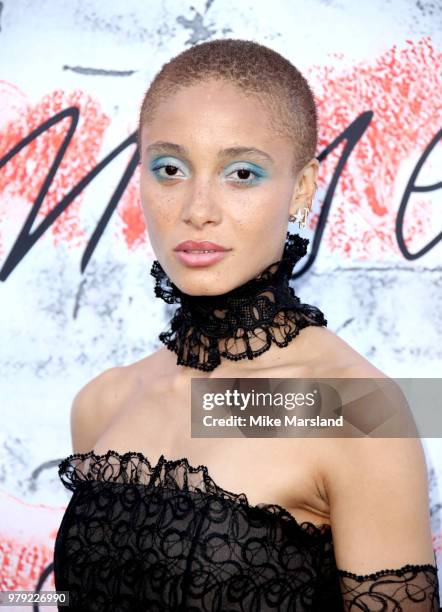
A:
{"points": [[213, 169]]}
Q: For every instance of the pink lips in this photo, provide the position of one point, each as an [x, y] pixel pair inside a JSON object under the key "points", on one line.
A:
{"points": [[196, 260]]}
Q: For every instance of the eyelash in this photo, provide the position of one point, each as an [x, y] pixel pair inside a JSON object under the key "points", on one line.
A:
{"points": [[257, 176]]}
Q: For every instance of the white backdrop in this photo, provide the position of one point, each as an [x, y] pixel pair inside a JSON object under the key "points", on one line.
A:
{"points": [[63, 323]]}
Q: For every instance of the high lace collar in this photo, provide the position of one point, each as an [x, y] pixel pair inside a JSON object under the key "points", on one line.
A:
{"points": [[242, 323]]}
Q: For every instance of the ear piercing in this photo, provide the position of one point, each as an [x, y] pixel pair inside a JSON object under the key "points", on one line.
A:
{"points": [[302, 213], [300, 216]]}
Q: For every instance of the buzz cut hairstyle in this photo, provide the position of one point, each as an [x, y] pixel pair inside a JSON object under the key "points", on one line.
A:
{"points": [[257, 71]]}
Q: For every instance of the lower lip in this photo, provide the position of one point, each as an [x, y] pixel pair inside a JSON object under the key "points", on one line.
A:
{"points": [[199, 260]]}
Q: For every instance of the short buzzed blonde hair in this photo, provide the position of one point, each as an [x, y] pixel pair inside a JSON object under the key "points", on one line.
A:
{"points": [[256, 70]]}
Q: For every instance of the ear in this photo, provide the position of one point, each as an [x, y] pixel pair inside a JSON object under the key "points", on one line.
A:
{"points": [[305, 187]]}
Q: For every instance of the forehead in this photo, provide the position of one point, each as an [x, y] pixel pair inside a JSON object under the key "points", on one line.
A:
{"points": [[215, 114], [214, 96]]}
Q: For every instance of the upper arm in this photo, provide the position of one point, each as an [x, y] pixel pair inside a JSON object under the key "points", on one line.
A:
{"points": [[90, 410], [379, 504], [377, 487]]}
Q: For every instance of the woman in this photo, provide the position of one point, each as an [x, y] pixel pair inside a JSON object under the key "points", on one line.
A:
{"points": [[163, 521]]}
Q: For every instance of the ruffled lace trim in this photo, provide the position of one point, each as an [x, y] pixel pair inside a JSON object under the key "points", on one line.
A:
{"points": [[135, 468], [242, 323]]}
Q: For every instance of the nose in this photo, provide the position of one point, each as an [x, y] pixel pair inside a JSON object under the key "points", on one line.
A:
{"points": [[201, 206]]}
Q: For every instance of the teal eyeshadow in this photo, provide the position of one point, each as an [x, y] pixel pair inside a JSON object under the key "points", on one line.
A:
{"points": [[159, 162], [155, 164], [249, 166]]}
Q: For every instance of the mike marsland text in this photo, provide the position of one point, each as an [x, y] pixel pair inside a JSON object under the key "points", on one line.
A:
{"points": [[266, 421]]}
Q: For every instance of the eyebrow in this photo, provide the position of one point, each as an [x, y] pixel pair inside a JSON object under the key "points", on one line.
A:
{"points": [[161, 146]]}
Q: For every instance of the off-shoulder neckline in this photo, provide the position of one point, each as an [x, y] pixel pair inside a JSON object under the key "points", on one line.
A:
{"points": [[278, 511]]}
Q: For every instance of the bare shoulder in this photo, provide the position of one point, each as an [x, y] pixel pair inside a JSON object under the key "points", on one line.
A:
{"points": [[332, 356], [102, 397], [91, 407]]}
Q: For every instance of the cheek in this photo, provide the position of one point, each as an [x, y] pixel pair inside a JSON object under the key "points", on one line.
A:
{"points": [[267, 221], [262, 205], [158, 206], [160, 215]]}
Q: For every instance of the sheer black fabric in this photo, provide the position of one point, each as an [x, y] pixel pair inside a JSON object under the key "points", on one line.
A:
{"points": [[265, 309], [411, 588], [166, 537]]}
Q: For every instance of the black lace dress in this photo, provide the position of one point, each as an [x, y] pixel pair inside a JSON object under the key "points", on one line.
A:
{"points": [[165, 537]]}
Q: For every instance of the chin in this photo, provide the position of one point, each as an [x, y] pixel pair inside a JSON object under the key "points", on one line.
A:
{"points": [[203, 289], [203, 283]]}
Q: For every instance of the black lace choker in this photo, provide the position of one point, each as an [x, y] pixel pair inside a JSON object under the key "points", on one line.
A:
{"points": [[242, 323]]}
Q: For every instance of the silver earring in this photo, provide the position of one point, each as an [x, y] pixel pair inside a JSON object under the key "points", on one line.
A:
{"points": [[300, 216]]}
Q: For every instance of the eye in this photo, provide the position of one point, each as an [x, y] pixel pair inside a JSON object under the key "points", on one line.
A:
{"points": [[169, 170], [166, 169], [247, 174]]}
